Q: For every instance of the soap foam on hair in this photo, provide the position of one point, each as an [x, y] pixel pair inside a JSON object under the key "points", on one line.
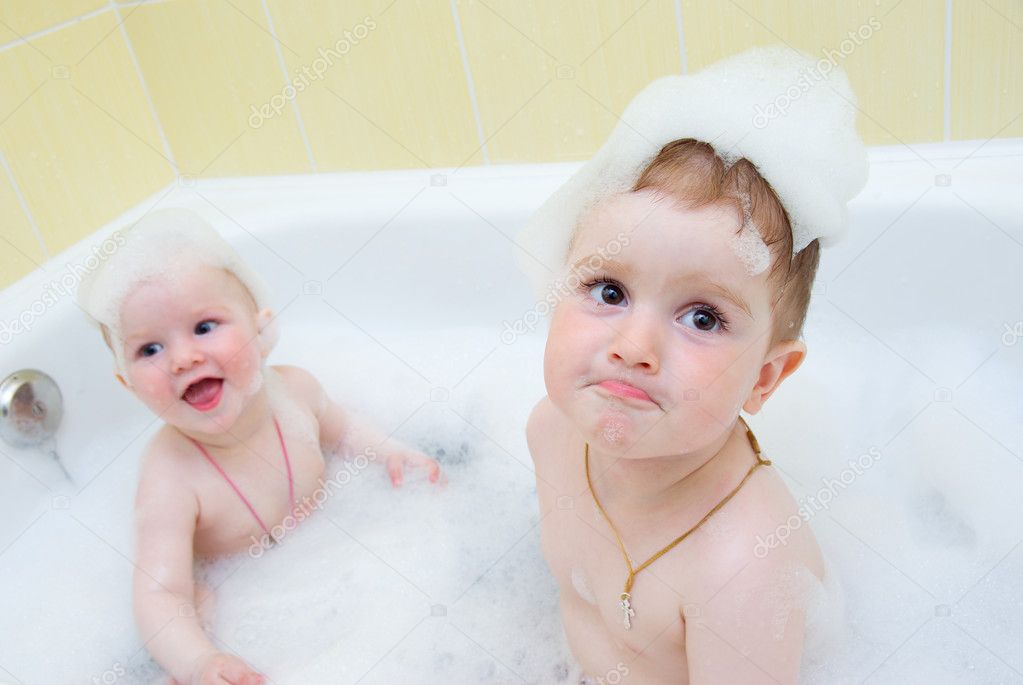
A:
{"points": [[811, 153]]}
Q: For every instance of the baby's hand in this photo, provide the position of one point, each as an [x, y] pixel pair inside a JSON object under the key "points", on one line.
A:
{"points": [[400, 458], [224, 669]]}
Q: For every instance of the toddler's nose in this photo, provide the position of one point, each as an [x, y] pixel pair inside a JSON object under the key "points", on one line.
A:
{"points": [[635, 344], [185, 358]]}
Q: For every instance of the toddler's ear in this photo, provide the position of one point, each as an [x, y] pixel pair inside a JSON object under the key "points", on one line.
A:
{"points": [[267, 327], [123, 381], [781, 362]]}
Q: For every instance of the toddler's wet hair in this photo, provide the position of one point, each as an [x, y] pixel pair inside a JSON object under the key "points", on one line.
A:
{"points": [[693, 174]]}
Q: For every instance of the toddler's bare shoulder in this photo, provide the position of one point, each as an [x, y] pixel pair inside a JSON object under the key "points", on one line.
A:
{"points": [[545, 429], [757, 536], [302, 385], [167, 470]]}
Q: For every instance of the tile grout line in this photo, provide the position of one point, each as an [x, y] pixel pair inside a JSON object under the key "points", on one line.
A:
{"points": [[947, 129], [145, 89], [473, 100], [24, 206], [287, 80], [52, 29], [680, 28]]}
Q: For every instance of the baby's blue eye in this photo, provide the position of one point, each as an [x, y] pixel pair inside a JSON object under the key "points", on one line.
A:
{"points": [[149, 349], [204, 327], [607, 293], [703, 318]]}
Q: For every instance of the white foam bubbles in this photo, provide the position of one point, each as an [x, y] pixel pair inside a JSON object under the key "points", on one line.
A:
{"points": [[164, 246], [749, 245], [449, 584], [751, 249], [810, 154]]}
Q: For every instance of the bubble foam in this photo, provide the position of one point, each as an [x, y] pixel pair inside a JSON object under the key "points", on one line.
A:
{"points": [[163, 246], [806, 146]]}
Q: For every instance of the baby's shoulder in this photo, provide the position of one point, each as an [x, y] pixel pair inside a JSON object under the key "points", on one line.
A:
{"points": [[550, 435], [301, 385], [168, 463], [545, 429], [747, 594], [168, 450], [297, 379], [760, 534]]}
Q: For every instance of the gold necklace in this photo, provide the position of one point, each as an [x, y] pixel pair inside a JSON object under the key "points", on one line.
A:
{"points": [[625, 599]]}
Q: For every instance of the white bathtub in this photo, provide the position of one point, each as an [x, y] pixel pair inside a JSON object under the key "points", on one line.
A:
{"points": [[395, 288]]}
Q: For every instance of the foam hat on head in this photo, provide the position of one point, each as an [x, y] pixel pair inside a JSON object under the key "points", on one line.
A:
{"points": [[791, 116], [166, 243]]}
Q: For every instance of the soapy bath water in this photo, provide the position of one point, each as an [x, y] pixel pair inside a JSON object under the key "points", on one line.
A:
{"points": [[441, 585]]}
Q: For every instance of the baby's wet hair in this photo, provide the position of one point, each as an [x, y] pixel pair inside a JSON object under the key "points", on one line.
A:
{"points": [[692, 173]]}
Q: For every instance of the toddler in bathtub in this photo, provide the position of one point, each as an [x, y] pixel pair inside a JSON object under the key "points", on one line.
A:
{"points": [[188, 324], [689, 244]]}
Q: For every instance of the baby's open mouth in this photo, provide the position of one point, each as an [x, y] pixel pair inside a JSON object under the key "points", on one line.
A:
{"points": [[204, 394]]}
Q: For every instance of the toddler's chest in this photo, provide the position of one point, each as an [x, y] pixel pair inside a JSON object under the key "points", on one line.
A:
{"points": [[591, 573], [245, 500]]}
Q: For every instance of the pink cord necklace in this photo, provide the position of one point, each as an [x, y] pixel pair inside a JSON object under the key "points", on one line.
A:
{"points": [[245, 500]]}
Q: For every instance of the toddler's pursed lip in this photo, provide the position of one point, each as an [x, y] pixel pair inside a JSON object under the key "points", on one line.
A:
{"points": [[204, 394], [625, 390]]}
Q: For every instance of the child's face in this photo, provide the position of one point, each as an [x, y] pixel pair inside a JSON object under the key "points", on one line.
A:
{"points": [[640, 356], [192, 348]]}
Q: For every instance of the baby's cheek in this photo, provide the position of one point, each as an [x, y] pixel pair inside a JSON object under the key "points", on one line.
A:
{"points": [[713, 391], [246, 365], [148, 381], [568, 350], [244, 361], [154, 391], [574, 330]]}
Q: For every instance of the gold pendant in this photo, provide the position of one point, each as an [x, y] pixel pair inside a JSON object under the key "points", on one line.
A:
{"points": [[627, 611]]}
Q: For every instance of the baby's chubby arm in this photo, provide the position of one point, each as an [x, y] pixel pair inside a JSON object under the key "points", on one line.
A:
{"points": [[163, 593], [345, 432]]}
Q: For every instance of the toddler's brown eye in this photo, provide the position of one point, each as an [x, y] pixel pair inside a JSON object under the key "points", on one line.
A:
{"points": [[607, 293], [702, 319], [611, 294]]}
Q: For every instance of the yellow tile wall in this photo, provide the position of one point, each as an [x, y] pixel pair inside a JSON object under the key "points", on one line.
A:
{"points": [[382, 83], [207, 62], [551, 76], [84, 139], [20, 18], [20, 251], [77, 130], [899, 83], [987, 69]]}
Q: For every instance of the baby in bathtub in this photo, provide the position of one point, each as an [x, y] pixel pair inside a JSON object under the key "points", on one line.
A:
{"points": [[242, 447], [690, 244]]}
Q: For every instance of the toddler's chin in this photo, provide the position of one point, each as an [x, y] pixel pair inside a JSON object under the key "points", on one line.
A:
{"points": [[612, 431]]}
